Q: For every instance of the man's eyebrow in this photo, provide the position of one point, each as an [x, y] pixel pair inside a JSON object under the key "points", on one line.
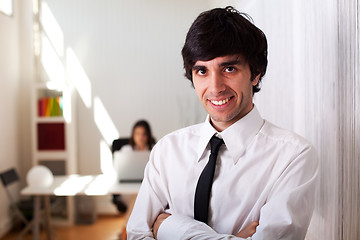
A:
{"points": [[223, 64], [231, 62], [198, 67]]}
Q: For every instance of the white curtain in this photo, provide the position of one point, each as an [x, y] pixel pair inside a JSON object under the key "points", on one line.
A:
{"points": [[312, 87]]}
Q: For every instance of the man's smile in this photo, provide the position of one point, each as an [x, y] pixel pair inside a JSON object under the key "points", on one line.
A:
{"points": [[220, 102]]}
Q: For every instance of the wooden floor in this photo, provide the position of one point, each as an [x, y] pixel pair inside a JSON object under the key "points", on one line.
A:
{"points": [[104, 228]]}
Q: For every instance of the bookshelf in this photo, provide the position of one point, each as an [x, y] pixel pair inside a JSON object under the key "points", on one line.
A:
{"points": [[53, 132], [53, 140]]}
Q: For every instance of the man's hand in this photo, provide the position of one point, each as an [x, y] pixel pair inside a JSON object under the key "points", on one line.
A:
{"points": [[248, 231], [158, 222]]}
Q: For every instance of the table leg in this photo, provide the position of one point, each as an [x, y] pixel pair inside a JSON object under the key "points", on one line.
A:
{"points": [[36, 217], [47, 216]]}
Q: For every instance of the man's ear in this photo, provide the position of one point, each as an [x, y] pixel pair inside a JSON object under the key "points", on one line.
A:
{"points": [[255, 81]]}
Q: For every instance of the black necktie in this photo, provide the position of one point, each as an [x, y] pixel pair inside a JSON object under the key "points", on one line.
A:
{"points": [[203, 188]]}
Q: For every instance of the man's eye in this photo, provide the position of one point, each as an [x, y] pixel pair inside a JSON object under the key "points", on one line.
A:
{"points": [[201, 72], [229, 69]]}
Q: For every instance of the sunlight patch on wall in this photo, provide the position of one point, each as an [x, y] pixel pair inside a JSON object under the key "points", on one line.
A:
{"points": [[67, 113], [52, 29], [78, 77], [52, 64], [106, 163], [103, 122], [6, 6]]}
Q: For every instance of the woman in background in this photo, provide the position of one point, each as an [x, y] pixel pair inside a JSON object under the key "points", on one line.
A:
{"points": [[141, 140]]}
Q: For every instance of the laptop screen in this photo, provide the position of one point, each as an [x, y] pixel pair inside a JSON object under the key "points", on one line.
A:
{"points": [[130, 166]]}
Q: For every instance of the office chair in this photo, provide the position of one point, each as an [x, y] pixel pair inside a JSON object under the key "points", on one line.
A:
{"points": [[116, 146], [7, 178], [118, 143]]}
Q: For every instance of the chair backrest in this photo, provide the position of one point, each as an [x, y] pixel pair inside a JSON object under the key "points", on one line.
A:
{"points": [[118, 143], [9, 176]]}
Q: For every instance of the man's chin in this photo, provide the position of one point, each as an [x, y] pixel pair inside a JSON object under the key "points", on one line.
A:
{"points": [[221, 118], [216, 120]]}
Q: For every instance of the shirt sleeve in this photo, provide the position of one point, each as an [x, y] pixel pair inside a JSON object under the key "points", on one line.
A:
{"points": [[178, 227], [288, 210]]}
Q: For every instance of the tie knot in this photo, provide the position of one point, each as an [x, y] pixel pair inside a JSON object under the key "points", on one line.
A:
{"points": [[215, 144]]}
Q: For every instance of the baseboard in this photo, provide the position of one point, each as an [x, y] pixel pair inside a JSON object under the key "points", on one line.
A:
{"points": [[6, 225]]}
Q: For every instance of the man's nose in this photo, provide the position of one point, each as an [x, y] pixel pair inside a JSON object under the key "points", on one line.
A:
{"points": [[217, 84]]}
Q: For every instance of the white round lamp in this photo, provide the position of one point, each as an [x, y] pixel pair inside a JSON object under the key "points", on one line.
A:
{"points": [[39, 176]]}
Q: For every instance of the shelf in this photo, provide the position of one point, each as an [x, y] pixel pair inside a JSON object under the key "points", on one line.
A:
{"points": [[52, 127], [54, 137], [57, 166], [51, 155], [50, 119], [49, 86]]}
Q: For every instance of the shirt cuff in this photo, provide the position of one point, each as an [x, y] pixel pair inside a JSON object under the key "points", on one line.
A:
{"points": [[173, 227], [176, 227]]}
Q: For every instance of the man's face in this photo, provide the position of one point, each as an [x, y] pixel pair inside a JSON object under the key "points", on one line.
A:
{"points": [[224, 87]]}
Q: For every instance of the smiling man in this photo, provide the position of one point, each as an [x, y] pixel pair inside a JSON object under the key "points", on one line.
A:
{"points": [[235, 176]]}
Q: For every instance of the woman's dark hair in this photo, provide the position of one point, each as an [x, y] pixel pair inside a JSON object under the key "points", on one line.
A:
{"points": [[225, 31], [150, 139]]}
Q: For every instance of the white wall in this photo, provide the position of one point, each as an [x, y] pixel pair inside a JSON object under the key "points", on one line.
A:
{"points": [[15, 74], [9, 86]]}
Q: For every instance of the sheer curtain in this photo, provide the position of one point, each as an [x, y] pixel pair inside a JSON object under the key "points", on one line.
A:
{"points": [[312, 87]]}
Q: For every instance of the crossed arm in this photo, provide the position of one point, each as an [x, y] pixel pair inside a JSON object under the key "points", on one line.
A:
{"points": [[246, 232]]}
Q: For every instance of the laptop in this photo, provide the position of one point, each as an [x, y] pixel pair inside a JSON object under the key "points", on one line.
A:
{"points": [[130, 166]]}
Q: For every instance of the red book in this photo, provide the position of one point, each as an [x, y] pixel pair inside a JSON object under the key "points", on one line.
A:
{"points": [[40, 107]]}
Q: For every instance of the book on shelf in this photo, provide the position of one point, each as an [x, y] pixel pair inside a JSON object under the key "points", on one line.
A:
{"points": [[50, 106]]}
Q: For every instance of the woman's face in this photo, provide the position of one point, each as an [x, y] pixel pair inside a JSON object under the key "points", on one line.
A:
{"points": [[140, 138]]}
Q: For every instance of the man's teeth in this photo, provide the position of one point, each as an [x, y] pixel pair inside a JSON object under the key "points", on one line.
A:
{"points": [[221, 102]]}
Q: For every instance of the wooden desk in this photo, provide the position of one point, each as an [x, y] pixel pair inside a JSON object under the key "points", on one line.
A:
{"points": [[72, 185]]}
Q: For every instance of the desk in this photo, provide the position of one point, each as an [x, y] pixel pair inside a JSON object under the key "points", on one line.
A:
{"points": [[72, 185]]}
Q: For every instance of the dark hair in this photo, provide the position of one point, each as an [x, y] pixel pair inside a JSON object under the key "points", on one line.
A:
{"points": [[150, 139], [225, 31]]}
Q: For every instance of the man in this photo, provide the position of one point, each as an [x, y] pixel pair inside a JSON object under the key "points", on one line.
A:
{"points": [[265, 177]]}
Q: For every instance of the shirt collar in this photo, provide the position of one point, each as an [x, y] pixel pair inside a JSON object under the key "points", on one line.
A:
{"points": [[236, 137]]}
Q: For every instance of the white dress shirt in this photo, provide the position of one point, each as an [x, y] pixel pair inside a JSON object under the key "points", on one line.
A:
{"points": [[263, 173]]}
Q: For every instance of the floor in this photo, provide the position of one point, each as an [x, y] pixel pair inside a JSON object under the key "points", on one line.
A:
{"points": [[105, 228]]}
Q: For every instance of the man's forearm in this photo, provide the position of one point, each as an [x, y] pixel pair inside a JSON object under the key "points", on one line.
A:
{"points": [[159, 220], [182, 227]]}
